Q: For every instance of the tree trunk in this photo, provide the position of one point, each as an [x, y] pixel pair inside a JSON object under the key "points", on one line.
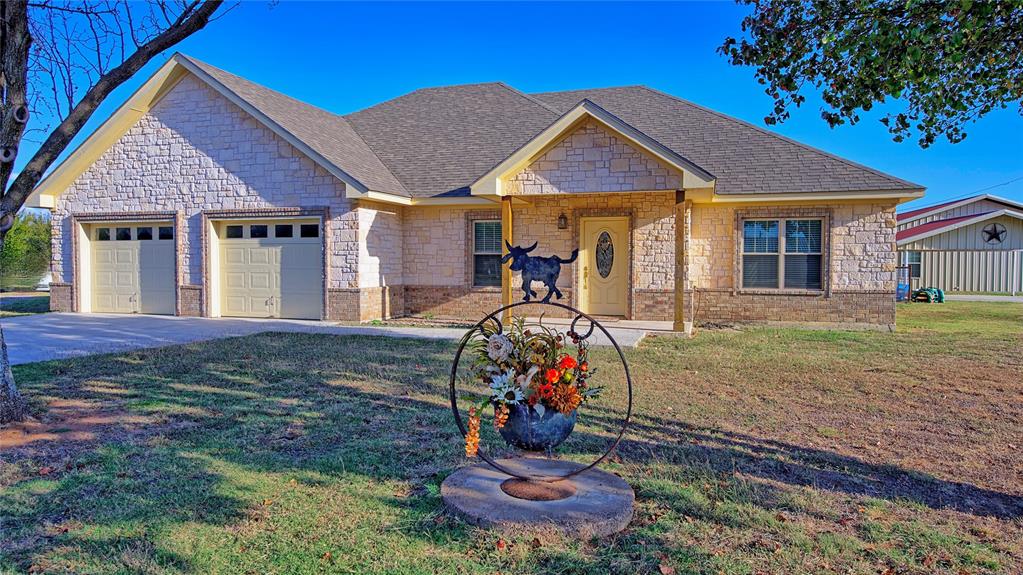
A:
{"points": [[12, 406]]}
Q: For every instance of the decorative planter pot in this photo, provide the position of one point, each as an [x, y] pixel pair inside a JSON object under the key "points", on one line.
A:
{"points": [[526, 429]]}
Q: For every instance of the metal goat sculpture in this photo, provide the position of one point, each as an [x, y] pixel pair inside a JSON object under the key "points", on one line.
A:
{"points": [[535, 268]]}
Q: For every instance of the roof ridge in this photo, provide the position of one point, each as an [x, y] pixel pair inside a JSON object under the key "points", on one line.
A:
{"points": [[783, 138], [536, 101]]}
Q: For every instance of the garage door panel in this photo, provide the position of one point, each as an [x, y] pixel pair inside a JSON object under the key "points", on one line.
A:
{"points": [[104, 279], [288, 272], [260, 280], [234, 255], [234, 280], [259, 256]]}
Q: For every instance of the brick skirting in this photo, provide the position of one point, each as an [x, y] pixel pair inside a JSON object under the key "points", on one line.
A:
{"points": [[382, 302], [190, 300], [343, 304], [850, 307], [61, 298], [653, 305], [457, 302]]}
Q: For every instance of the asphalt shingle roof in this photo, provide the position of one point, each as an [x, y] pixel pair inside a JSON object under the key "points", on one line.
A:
{"points": [[328, 134], [438, 141], [745, 158]]}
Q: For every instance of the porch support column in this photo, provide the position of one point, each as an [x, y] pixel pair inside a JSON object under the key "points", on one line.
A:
{"points": [[683, 233], [506, 239]]}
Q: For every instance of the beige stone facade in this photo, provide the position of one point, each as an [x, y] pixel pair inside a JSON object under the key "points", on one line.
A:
{"points": [[592, 159], [196, 153]]}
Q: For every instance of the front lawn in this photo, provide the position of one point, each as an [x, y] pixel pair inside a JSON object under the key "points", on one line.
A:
{"points": [[15, 306], [758, 451]]}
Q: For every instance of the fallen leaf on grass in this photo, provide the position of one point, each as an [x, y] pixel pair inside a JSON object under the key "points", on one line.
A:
{"points": [[45, 470], [501, 545], [268, 502], [666, 569]]}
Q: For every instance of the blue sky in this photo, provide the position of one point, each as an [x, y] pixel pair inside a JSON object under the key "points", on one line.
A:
{"points": [[346, 56]]}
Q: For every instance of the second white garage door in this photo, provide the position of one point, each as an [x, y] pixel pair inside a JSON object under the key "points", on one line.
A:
{"points": [[271, 269]]}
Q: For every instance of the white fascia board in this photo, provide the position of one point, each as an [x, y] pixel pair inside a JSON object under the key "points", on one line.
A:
{"points": [[490, 183], [85, 154], [815, 197], [386, 198], [980, 218]]}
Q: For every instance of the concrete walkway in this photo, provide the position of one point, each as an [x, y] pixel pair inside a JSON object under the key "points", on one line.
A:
{"points": [[1001, 298], [49, 336]]}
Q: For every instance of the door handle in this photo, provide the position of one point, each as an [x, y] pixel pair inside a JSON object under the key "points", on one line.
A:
{"points": [[586, 276]]}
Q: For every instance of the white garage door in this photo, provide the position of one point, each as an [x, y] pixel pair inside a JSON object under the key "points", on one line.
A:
{"points": [[133, 268], [271, 269]]}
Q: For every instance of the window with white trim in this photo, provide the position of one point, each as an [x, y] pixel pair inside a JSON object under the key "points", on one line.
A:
{"points": [[913, 260], [486, 253], [783, 254]]}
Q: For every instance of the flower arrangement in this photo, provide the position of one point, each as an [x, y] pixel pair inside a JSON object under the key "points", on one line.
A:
{"points": [[534, 368]]}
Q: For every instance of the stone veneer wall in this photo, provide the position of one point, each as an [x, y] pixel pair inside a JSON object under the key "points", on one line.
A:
{"points": [[195, 151], [381, 256], [652, 227], [436, 262], [438, 242], [590, 160], [860, 257]]}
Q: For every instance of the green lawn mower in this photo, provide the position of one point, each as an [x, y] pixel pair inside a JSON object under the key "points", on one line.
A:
{"points": [[928, 295]]}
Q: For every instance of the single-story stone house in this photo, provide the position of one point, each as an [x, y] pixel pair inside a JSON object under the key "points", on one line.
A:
{"points": [[208, 195]]}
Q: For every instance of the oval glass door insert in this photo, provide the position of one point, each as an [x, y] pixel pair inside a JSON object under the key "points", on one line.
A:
{"points": [[605, 254]]}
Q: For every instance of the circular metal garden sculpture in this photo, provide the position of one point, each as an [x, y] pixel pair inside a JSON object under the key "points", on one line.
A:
{"points": [[536, 385]]}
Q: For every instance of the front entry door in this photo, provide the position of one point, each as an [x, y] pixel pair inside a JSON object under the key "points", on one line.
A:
{"points": [[604, 269]]}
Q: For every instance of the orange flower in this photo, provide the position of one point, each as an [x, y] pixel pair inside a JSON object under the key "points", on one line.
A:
{"points": [[546, 390], [553, 375], [472, 438], [501, 413], [567, 362], [584, 366]]}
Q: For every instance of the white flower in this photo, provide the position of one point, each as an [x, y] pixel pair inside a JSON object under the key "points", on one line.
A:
{"points": [[503, 390], [499, 347]]}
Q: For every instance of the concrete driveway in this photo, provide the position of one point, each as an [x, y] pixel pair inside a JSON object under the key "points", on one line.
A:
{"points": [[49, 336]]}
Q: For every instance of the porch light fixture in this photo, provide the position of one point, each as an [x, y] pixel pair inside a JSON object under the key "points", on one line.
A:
{"points": [[562, 221]]}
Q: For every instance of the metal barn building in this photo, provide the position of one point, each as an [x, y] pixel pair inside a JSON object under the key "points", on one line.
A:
{"points": [[969, 245]]}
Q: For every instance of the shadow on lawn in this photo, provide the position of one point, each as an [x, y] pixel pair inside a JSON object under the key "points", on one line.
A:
{"points": [[349, 410]]}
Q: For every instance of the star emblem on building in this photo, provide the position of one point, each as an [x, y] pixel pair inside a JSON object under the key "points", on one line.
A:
{"points": [[994, 233]]}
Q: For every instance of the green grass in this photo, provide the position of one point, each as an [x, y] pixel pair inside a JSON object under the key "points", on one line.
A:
{"points": [[15, 306], [761, 451]]}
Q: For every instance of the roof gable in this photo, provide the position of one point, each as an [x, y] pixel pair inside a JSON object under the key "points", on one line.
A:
{"points": [[937, 209], [936, 227], [325, 138], [692, 176], [326, 134]]}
